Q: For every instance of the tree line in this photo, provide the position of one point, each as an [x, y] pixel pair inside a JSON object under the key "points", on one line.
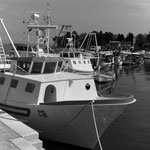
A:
{"points": [[140, 41]]}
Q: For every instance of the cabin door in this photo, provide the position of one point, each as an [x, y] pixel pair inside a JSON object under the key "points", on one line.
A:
{"points": [[50, 94]]}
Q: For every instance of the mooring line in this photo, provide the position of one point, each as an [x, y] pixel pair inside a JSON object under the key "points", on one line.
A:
{"points": [[95, 124]]}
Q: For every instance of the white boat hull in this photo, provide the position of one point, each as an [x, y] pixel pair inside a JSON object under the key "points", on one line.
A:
{"points": [[70, 122]]}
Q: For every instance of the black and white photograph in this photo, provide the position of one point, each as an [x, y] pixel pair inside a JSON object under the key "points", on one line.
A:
{"points": [[75, 75]]}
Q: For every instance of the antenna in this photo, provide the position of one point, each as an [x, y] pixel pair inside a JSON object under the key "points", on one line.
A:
{"points": [[49, 22]]}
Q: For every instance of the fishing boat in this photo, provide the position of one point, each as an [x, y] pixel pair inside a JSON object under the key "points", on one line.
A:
{"points": [[77, 63], [61, 106], [83, 62], [104, 76], [132, 58], [107, 57], [76, 60]]}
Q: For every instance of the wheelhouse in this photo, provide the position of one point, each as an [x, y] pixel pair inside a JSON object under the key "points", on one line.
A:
{"points": [[36, 65], [70, 54]]}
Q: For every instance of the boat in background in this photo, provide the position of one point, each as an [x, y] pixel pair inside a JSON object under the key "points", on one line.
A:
{"points": [[84, 62], [131, 58], [104, 76], [75, 60]]}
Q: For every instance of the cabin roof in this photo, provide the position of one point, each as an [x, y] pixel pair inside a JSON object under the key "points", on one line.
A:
{"points": [[43, 78], [37, 59]]}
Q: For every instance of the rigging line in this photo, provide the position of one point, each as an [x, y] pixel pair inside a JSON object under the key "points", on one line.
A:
{"points": [[21, 68], [95, 124]]}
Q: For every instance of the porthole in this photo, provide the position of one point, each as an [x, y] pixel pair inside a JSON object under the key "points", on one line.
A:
{"points": [[74, 62], [87, 86]]}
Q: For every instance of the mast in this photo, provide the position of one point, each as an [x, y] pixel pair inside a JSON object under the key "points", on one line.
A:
{"points": [[1, 20], [49, 22]]}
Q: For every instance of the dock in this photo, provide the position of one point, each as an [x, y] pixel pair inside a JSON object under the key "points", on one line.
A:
{"points": [[15, 135]]}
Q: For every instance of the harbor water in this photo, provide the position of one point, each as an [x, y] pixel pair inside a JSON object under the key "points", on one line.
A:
{"points": [[131, 130]]}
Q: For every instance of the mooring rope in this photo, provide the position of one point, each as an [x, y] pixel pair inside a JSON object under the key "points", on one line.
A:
{"points": [[95, 124]]}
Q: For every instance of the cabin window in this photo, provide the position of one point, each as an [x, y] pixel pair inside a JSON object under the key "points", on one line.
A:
{"points": [[8, 62], [76, 54], [50, 67], [59, 66], [23, 66], [2, 80], [84, 62], [79, 62], [71, 55], [65, 55], [30, 87], [14, 83], [87, 86], [37, 67]]}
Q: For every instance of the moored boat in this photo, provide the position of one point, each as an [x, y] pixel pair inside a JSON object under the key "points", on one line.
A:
{"points": [[62, 106], [104, 77]]}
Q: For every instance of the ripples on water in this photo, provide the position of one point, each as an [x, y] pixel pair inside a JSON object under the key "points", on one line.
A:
{"points": [[131, 130]]}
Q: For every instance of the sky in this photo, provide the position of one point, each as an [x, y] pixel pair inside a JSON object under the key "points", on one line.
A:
{"points": [[116, 16]]}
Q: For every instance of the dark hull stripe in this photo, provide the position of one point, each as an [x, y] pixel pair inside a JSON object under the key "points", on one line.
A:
{"points": [[15, 110]]}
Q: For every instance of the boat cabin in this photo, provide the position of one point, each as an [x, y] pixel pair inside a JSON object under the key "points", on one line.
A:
{"points": [[36, 65], [41, 80], [77, 62]]}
